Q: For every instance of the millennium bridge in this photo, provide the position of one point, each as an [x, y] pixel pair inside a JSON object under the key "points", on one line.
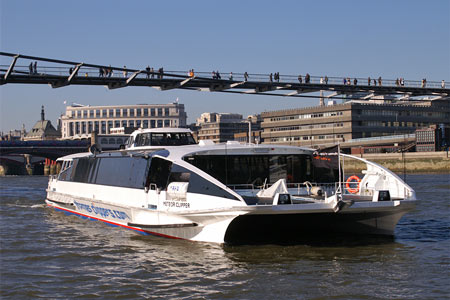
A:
{"points": [[59, 73]]}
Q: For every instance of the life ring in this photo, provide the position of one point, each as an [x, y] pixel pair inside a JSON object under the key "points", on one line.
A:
{"points": [[349, 181]]}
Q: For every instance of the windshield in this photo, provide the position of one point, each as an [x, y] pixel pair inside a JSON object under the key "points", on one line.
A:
{"points": [[164, 139]]}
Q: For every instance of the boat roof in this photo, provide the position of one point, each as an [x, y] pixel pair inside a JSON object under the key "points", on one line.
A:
{"points": [[176, 153]]}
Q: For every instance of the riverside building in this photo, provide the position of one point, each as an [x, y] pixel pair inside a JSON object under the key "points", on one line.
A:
{"points": [[80, 121], [321, 125], [220, 127]]}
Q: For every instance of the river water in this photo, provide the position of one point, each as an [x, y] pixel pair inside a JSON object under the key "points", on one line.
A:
{"points": [[46, 254]]}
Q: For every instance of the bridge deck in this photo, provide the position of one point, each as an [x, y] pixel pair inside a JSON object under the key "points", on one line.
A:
{"points": [[64, 73]]}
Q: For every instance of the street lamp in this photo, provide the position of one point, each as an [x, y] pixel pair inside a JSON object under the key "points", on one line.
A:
{"points": [[249, 130]]}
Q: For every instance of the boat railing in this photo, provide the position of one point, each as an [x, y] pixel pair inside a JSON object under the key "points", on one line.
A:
{"points": [[303, 188]]}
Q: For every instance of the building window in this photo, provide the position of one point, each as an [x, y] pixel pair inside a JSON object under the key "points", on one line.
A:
{"points": [[160, 123], [166, 111], [152, 112], [124, 123], [116, 123], [96, 128], [145, 124], [103, 127], [104, 113], [138, 112], [145, 112], [159, 112], [131, 112], [91, 113], [138, 123], [117, 112], [131, 123], [84, 112], [97, 113], [125, 112], [111, 113], [110, 125], [166, 123], [152, 124], [89, 126]]}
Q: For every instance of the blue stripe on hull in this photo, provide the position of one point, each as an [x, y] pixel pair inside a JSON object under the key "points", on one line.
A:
{"points": [[68, 212]]}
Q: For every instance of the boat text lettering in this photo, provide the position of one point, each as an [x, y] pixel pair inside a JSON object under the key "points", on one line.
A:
{"points": [[176, 204], [103, 212]]}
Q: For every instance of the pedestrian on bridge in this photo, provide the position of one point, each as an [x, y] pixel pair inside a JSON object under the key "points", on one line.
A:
{"points": [[326, 79], [35, 67], [300, 78], [148, 71], [374, 82], [307, 78], [443, 84], [368, 81], [100, 72], [379, 81], [245, 76], [30, 68], [231, 76], [355, 81], [125, 72], [424, 82], [270, 77]]}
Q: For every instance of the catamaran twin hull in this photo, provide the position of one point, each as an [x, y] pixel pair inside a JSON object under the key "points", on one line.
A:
{"points": [[227, 193], [252, 225]]}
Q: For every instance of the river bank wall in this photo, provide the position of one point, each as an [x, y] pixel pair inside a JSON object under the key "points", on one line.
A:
{"points": [[409, 162]]}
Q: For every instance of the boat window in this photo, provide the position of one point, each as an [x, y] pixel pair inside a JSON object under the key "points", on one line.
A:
{"points": [[65, 173], [123, 171], [256, 169], [198, 184]]}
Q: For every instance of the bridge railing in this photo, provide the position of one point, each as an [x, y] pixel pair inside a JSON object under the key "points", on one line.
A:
{"points": [[43, 70]]}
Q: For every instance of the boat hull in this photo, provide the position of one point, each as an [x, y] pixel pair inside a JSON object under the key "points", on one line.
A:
{"points": [[252, 226], [299, 228]]}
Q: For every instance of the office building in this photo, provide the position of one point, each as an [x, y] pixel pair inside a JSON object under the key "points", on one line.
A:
{"points": [[220, 127], [80, 121], [315, 126]]}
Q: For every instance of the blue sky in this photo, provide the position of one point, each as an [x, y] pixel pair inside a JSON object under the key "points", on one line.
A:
{"points": [[409, 39]]}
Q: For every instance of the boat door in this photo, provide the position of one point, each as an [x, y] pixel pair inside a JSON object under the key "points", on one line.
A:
{"points": [[157, 180]]}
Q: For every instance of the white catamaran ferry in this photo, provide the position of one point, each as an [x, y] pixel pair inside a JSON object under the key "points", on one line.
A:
{"points": [[164, 183]]}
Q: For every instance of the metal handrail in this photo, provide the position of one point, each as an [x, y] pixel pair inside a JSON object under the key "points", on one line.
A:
{"points": [[255, 77]]}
